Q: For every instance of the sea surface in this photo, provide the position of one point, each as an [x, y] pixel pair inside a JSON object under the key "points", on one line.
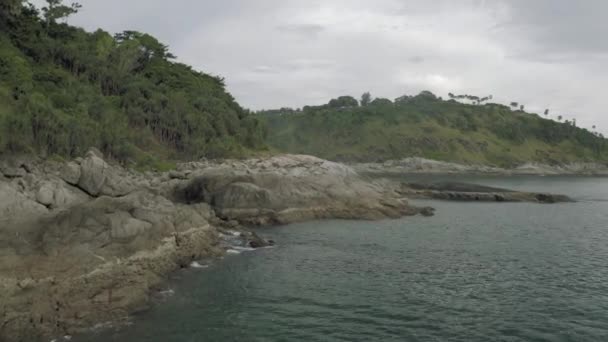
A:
{"points": [[474, 272]]}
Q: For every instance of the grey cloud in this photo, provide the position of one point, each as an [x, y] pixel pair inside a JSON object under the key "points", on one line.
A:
{"points": [[560, 28], [304, 29]]}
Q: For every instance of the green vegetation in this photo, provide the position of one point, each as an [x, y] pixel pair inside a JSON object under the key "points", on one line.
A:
{"points": [[63, 90], [427, 126]]}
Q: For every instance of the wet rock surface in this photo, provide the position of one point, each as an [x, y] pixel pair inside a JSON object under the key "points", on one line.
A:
{"points": [[453, 191]]}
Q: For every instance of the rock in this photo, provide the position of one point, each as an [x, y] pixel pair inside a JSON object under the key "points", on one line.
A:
{"points": [[16, 207], [46, 194], [93, 174], [257, 244], [177, 175], [427, 211], [421, 165], [56, 194], [14, 172], [472, 192], [94, 152], [287, 189], [128, 227], [70, 173], [99, 178]]}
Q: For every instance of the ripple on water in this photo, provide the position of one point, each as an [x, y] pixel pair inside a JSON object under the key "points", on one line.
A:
{"points": [[474, 272]]}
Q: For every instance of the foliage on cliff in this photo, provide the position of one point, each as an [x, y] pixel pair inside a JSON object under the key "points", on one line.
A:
{"points": [[63, 90], [427, 126]]}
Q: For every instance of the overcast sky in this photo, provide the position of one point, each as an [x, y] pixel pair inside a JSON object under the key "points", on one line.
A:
{"points": [[273, 53]]}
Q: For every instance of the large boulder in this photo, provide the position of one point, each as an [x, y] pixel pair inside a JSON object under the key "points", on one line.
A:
{"points": [[16, 207], [70, 173], [98, 178], [55, 194]]}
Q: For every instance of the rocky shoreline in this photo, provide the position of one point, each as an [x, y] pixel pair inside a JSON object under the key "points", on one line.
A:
{"points": [[422, 165], [84, 242], [453, 191]]}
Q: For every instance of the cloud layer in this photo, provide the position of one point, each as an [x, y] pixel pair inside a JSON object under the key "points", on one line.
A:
{"points": [[274, 53]]}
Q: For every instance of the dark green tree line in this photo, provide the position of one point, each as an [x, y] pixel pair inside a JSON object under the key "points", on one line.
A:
{"points": [[63, 89]]}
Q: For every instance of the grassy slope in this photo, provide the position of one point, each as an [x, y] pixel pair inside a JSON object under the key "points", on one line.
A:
{"points": [[431, 128]]}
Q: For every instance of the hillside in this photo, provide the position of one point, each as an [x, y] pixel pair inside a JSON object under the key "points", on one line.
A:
{"points": [[427, 126], [63, 90]]}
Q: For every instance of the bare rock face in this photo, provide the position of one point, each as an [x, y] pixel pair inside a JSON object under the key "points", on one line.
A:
{"points": [[453, 191], [287, 189], [70, 173], [15, 206], [56, 194], [98, 178], [98, 260]]}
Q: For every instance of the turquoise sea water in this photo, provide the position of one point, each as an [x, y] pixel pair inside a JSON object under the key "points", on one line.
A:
{"points": [[474, 272]]}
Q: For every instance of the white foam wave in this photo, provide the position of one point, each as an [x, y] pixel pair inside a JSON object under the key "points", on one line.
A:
{"points": [[168, 292], [195, 264], [243, 249]]}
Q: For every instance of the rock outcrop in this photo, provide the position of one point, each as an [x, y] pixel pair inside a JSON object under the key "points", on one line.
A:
{"points": [[452, 191], [422, 165], [286, 189], [83, 242]]}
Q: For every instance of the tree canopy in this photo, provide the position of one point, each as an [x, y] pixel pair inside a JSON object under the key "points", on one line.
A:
{"points": [[426, 126], [63, 90]]}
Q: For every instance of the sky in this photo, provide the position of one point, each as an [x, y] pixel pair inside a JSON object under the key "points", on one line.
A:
{"points": [[545, 54]]}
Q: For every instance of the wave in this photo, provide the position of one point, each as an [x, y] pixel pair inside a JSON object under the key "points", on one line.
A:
{"points": [[195, 264]]}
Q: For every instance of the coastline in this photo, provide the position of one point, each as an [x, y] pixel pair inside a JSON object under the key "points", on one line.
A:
{"points": [[85, 242], [418, 165]]}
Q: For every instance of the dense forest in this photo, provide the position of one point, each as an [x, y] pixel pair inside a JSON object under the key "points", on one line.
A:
{"points": [[63, 90], [464, 128]]}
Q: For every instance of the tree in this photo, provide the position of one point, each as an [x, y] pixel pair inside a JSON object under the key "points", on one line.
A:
{"points": [[402, 99], [521, 107], [150, 46], [381, 102], [546, 112], [9, 7], [366, 99], [514, 105], [343, 101], [559, 118], [56, 10], [427, 94]]}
